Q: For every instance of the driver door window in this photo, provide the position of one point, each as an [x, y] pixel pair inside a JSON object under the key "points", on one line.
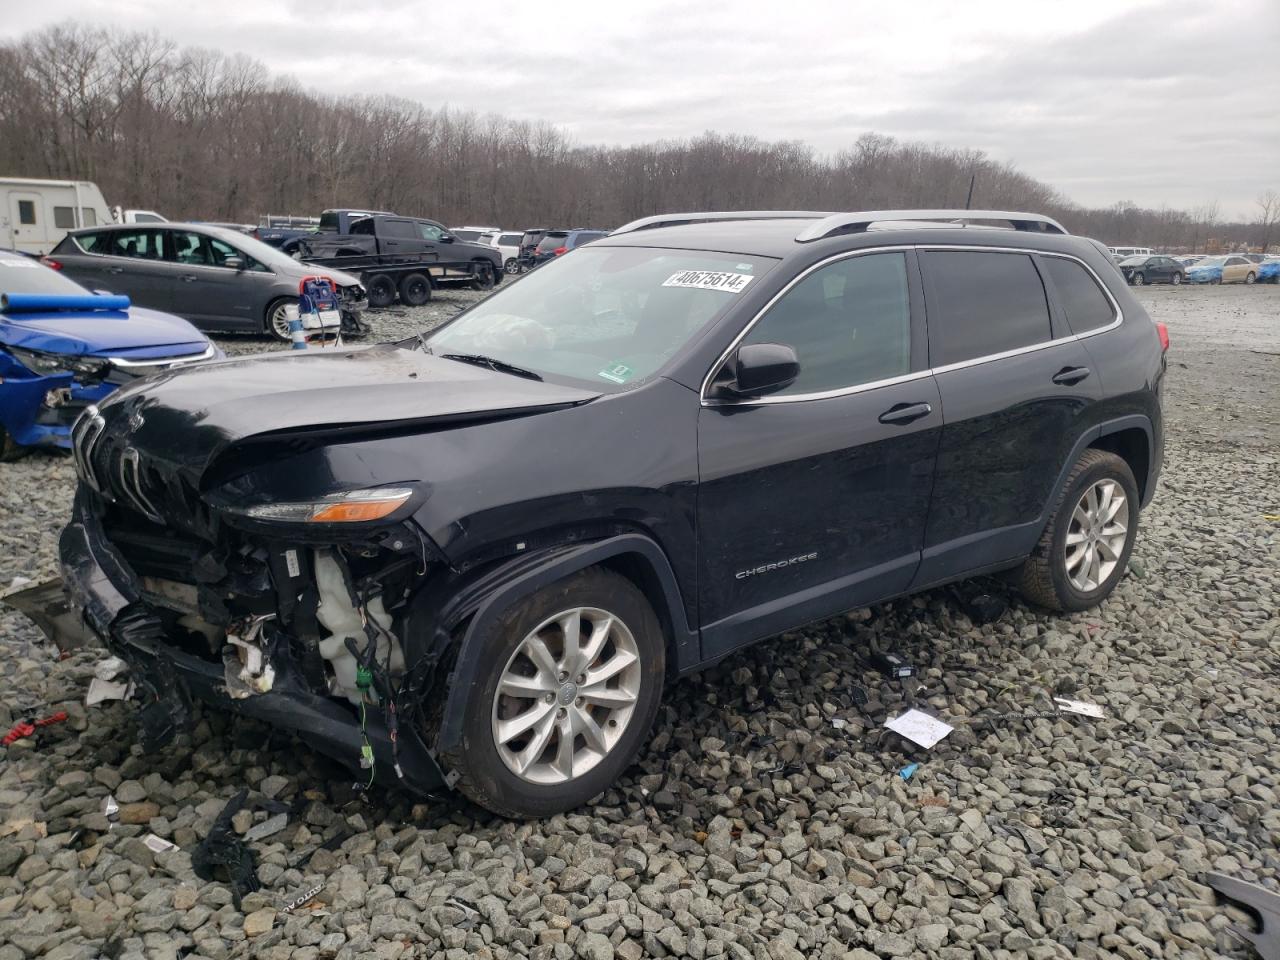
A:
{"points": [[430, 231], [849, 324]]}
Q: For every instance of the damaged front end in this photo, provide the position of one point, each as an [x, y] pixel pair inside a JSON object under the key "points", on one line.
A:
{"points": [[263, 610]]}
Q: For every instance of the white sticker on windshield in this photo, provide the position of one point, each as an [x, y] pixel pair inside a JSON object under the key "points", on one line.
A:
{"points": [[709, 280], [16, 262]]}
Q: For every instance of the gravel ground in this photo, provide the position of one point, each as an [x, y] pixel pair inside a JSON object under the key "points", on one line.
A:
{"points": [[768, 818]]}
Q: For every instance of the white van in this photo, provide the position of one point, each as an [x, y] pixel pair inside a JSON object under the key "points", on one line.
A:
{"points": [[1120, 253], [36, 214]]}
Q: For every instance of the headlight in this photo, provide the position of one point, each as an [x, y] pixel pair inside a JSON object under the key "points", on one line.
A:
{"points": [[52, 364], [349, 506]]}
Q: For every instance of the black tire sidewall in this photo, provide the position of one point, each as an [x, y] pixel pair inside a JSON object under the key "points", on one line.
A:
{"points": [[487, 779], [406, 282], [377, 282], [271, 331], [1071, 598], [486, 275]]}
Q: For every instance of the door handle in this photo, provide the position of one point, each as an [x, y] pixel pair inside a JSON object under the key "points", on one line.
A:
{"points": [[905, 413], [115, 269], [1070, 375], [188, 278]]}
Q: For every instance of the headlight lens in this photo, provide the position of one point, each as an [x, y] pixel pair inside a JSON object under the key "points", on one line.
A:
{"points": [[349, 506], [51, 364]]}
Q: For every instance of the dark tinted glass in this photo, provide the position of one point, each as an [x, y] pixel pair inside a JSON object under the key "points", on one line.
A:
{"points": [[406, 229], [849, 324], [986, 303], [552, 241], [467, 235], [1086, 305]]}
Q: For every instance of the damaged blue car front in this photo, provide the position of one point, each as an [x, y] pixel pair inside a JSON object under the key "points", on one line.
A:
{"points": [[63, 348]]}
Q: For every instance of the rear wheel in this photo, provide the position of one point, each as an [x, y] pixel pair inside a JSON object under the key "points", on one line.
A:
{"points": [[381, 290], [277, 318], [567, 698], [512, 266], [484, 279], [1083, 552], [415, 290]]}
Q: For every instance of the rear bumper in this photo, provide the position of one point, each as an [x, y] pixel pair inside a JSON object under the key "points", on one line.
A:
{"points": [[99, 581]]}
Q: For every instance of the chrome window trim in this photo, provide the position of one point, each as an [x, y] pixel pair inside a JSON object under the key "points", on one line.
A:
{"points": [[162, 361], [919, 374]]}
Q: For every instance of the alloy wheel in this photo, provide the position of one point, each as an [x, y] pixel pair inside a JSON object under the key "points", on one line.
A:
{"points": [[566, 696], [280, 321], [1096, 536]]}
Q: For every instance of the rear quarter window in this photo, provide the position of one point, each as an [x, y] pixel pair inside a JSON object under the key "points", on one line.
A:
{"points": [[985, 303], [1086, 306]]}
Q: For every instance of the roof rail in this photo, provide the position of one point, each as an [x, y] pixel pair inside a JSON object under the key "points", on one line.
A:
{"points": [[838, 223], [684, 219]]}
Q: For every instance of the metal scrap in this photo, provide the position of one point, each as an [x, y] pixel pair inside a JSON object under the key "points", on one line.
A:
{"points": [[1263, 903]]}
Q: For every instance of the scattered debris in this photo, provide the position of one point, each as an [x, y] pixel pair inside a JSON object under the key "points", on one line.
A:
{"points": [[1265, 904], [1080, 707], [105, 686], [266, 828], [158, 844], [302, 899], [892, 665], [110, 809], [225, 857], [25, 728], [839, 722], [919, 727], [985, 608], [907, 772]]}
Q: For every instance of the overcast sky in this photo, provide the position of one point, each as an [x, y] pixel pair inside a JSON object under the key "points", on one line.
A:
{"points": [[1154, 101]]}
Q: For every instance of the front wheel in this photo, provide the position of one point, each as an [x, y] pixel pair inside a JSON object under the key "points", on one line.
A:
{"points": [[277, 320], [566, 699], [1083, 552], [1139, 279], [1250, 277]]}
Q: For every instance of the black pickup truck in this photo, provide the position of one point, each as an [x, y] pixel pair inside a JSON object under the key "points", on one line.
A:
{"points": [[392, 253]]}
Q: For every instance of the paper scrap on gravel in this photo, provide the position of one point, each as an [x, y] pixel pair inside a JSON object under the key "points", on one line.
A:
{"points": [[919, 727], [158, 844], [1080, 707]]}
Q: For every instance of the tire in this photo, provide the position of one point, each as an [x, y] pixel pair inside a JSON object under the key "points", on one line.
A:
{"points": [[10, 449], [487, 770], [275, 323], [1216, 281], [1250, 277], [1047, 578], [381, 290], [1176, 280], [512, 266], [1138, 280], [484, 275], [415, 289]]}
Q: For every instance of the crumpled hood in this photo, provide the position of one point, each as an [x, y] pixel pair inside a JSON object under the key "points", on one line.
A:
{"points": [[98, 332], [187, 416]]}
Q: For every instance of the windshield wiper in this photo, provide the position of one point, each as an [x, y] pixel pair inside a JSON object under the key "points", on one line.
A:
{"points": [[493, 363]]}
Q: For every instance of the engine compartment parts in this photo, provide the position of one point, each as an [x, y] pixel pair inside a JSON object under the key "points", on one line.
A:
{"points": [[348, 628], [247, 669]]}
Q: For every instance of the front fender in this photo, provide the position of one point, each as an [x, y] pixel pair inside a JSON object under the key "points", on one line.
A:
{"points": [[524, 576]]}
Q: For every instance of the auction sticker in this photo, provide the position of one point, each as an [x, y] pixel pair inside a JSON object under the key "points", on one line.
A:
{"points": [[617, 372], [709, 280]]}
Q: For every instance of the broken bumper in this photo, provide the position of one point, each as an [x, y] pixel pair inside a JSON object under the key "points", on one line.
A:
{"points": [[100, 583]]}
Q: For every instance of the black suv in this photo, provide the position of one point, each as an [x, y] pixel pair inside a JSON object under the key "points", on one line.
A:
{"points": [[474, 557]]}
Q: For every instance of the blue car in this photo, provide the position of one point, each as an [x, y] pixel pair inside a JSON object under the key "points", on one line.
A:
{"points": [[1269, 270], [63, 348]]}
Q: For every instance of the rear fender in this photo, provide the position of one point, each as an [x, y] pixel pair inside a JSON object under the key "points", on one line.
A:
{"points": [[498, 589]]}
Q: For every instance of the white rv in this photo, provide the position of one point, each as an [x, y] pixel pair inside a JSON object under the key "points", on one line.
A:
{"points": [[36, 214]]}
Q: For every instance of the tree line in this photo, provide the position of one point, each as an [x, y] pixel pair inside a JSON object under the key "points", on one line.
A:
{"points": [[198, 134]]}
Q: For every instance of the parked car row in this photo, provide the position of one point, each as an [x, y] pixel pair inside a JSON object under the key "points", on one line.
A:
{"points": [[534, 247], [1199, 268]]}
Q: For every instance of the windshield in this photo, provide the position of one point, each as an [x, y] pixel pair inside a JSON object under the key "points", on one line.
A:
{"points": [[1212, 262], [605, 315], [264, 253], [19, 274]]}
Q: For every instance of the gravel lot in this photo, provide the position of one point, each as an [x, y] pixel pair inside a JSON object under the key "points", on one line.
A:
{"points": [[768, 818]]}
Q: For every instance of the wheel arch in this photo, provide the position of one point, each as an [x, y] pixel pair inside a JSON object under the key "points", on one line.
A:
{"points": [[631, 555], [1132, 444]]}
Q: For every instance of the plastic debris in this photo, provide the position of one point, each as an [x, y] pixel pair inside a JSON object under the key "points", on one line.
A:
{"points": [[919, 727], [839, 722], [110, 809], [1080, 707], [267, 828], [225, 857], [1263, 903], [158, 844], [26, 728], [908, 771], [985, 608], [105, 686], [302, 899]]}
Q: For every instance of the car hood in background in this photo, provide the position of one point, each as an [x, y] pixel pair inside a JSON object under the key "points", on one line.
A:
{"points": [[299, 269], [99, 332], [186, 417]]}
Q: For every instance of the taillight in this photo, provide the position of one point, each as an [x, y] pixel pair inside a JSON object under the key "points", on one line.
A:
{"points": [[52, 264], [559, 250], [1163, 332]]}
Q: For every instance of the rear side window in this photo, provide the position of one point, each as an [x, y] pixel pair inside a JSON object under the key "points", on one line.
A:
{"points": [[1087, 307], [849, 324], [985, 303], [509, 239]]}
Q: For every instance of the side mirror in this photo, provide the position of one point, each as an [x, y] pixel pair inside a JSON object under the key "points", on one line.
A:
{"points": [[760, 368], [446, 238], [235, 263]]}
